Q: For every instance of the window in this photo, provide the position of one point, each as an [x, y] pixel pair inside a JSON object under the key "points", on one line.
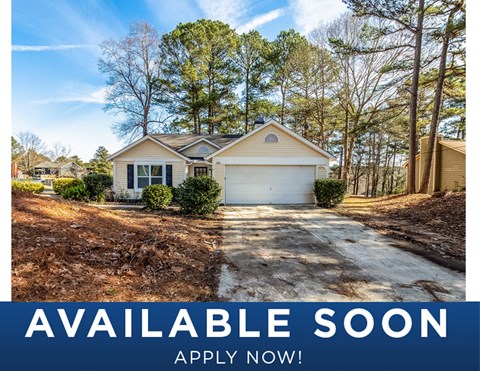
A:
{"points": [[203, 150], [200, 171], [271, 138], [149, 174]]}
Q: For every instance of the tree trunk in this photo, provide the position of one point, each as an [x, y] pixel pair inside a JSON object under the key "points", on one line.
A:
{"points": [[247, 88], [432, 137], [412, 138]]}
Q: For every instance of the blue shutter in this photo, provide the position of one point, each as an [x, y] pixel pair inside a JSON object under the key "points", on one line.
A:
{"points": [[169, 176], [130, 176]]}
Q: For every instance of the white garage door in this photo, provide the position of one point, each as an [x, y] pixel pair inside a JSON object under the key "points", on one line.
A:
{"points": [[252, 184]]}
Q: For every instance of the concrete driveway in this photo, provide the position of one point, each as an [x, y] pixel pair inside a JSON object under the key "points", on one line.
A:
{"points": [[297, 253]]}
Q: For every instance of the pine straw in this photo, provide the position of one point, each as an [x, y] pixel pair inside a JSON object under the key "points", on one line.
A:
{"points": [[435, 222], [69, 251]]}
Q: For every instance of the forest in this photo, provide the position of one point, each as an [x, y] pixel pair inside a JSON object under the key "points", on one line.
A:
{"points": [[365, 86]]}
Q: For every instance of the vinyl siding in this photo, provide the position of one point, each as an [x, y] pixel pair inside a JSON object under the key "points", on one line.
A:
{"points": [[193, 150], [144, 152], [147, 150], [452, 167], [219, 176], [254, 146]]}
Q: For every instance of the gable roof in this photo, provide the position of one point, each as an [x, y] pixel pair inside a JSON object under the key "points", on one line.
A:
{"points": [[205, 140], [143, 139], [278, 126], [179, 142], [456, 145]]}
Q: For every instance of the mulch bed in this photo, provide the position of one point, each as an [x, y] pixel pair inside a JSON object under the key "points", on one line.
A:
{"points": [[70, 251]]}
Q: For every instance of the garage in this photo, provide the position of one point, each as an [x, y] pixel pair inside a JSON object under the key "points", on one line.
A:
{"points": [[269, 184]]}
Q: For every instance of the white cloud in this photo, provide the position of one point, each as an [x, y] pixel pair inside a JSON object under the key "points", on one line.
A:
{"points": [[228, 11], [261, 20], [308, 14], [95, 96], [43, 48]]}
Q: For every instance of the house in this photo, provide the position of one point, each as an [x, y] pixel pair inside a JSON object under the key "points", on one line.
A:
{"points": [[269, 165], [448, 165], [50, 169]]}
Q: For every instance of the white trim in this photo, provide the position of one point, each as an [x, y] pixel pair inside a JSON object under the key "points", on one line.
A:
{"points": [[271, 133], [128, 159], [114, 176], [141, 140], [280, 127], [156, 163], [198, 141], [272, 161]]}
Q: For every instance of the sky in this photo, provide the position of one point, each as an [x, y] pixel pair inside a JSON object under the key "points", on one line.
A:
{"points": [[57, 90]]}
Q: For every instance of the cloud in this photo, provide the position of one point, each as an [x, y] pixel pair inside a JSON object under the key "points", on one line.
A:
{"points": [[308, 14], [228, 11], [44, 48], [261, 20], [96, 96], [170, 13]]}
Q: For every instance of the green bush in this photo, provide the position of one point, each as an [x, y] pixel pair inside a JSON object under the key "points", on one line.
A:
{"points": [[329, 192], [97, 184], [31, 187], [77, 193], [157, 196], [60, 184], [199, 195]]}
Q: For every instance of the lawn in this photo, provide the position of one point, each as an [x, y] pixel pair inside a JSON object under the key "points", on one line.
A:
{"points": [[69, 251]]}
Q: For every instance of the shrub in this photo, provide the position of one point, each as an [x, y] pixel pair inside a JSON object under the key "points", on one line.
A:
{"points": [[97, 184], [199, 195], [77, 193], [329, 192], [31, 187], [60, 184], [157, 196]]}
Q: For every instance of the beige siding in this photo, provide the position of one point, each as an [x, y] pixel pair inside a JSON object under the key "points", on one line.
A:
{"points": [[254, 146], [452, 175], [321, 172], [193, 150], [219, 175], [148, 150], [417, 174], [120, 186]]}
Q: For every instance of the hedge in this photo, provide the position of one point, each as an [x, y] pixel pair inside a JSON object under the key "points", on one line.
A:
{"points": [[31, 187], [329, 192], [198, 195], [157, 196], [96, 185], [60, 184], [76, 192]]}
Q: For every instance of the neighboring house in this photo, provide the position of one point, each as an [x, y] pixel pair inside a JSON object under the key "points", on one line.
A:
{"points": [[269, 165], [16, 171], [49, 169], [448, 165]]}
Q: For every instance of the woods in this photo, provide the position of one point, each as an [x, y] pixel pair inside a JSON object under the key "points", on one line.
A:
{"points": [[365, 86]]}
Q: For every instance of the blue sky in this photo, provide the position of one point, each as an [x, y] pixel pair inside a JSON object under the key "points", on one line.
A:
{"points": [[57, 91]]}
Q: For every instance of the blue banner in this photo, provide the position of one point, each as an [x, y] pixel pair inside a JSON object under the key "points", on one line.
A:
{"points": [[239, 336]]}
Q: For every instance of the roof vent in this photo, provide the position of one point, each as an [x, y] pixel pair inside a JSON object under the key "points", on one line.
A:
{"points": [[259, 121]]}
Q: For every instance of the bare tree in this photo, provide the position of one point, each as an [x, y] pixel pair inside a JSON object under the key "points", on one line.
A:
{"points": [[60, 152], [32, 150], [132, 67]]}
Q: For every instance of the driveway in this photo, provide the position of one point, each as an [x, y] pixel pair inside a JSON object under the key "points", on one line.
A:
{"points": [[304, 253]]}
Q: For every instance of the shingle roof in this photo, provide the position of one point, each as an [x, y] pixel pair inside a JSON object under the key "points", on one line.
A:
{"points": [[177, 141], [457, 145], [46, 165]]}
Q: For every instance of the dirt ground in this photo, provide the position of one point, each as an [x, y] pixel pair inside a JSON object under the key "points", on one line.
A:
{"points": [[435, 223], [69, 251]]}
